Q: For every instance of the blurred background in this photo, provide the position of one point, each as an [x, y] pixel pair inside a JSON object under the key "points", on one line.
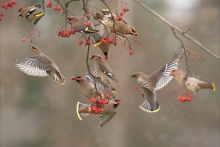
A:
{"points": [[38, 112]]}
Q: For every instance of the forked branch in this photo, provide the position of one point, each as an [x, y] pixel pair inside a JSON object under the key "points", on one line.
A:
{"points": [[183, 33]]}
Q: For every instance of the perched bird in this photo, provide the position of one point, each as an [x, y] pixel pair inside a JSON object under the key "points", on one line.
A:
{"points": [[80, 24], [87, 88], [104, 71], [192, 82], [120, 26], [84, 110], [40, 65], [32, 13], [157, 80]]}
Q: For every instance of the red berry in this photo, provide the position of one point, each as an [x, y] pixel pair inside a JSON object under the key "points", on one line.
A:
{"points": [[106, 57], [103, 41], [13, 2], [88, 42], [55, 8], [94, 109], [89, 24], [131, 52], [64, 12], [102, 109], [93, 100], [124, 9], [80, 42], [2, 14], [23, 39], [58, 8], [9, 4], [107, 96], [121, 13], [136, 87], [5, 6], [73, 78], [110, 40], [117, 18]]}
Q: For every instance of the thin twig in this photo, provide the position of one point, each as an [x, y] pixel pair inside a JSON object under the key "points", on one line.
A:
{"points": [[177, 29], [183, 46], [43, 6]]}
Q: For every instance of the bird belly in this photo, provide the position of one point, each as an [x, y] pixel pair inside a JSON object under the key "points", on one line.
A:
{"points": [[192, 86]]}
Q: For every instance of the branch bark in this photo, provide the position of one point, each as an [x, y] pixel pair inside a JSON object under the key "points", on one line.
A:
{"points": [[177, 29]]}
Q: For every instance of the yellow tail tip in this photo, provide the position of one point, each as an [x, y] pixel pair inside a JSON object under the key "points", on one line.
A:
{"points": [[39, 15], [77, 107], [98, 43], [213, 87], [113, 91], [158, 109]]}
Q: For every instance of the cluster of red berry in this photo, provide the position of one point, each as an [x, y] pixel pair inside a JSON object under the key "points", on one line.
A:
{"points": [[97, 104], [80, 42], [57, 8], [65, 33], [8, 4], [187, 98]]}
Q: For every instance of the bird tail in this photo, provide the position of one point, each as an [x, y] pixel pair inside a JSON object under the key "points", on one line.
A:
{"points": [[146, 107], [82, 110], [112, 84], [207, 86], [59, 78]]}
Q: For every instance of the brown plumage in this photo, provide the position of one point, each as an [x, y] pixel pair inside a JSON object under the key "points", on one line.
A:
{"points": [[104, 70], [87, 88], [192, 83], [31, 13], [119, 26], [157, 80], [83, 110], [40, 65]]}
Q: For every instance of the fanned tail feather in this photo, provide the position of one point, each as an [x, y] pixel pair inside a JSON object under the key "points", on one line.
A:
{"points": [[146, 107], [59, 79], [79, 107]]}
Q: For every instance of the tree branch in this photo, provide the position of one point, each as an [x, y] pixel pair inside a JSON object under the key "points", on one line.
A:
{"points": [[177, 29]]}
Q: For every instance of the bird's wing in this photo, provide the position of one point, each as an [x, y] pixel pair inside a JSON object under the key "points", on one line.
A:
{"points": [[162, 76], [104, 67], [143, 82], [34, 66], [105, 118]]}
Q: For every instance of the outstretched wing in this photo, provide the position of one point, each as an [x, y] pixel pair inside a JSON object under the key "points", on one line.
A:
{"points": [[105, 118], [33, 66], [162, 76]]}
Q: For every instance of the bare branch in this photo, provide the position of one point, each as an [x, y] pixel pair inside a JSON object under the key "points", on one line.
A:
{"points": [[177, 29], [183, 46]]}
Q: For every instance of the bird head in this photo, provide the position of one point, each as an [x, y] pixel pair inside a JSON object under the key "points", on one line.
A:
{"points": [[35, 50], [116, 103], [98, 16], [95, 57], [71, 19], [137, 75], [106, 11], [172, 73], [21, 11], [78, 78]]}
